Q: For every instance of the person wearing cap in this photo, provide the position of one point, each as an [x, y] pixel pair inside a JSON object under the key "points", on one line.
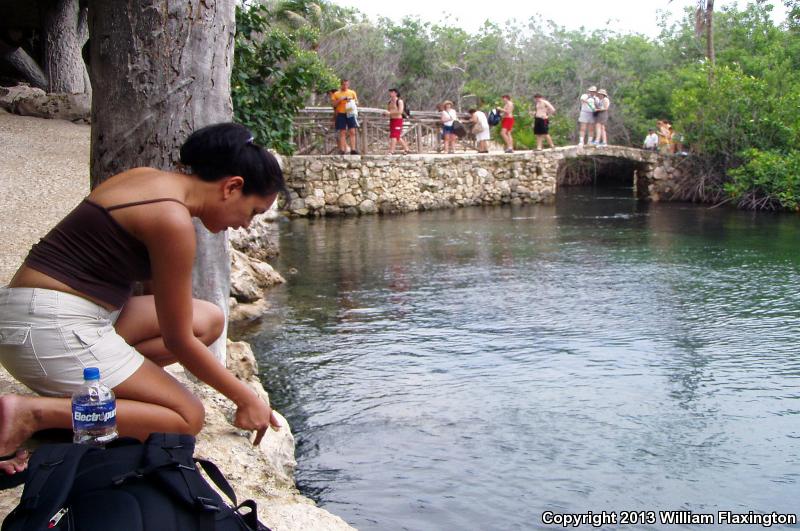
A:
{"points": [[601, 118], [586, 116], [651, 141]]}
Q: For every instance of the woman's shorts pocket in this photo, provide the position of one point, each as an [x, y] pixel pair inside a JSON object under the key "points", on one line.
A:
{"points": [[85, 341], [14, 335]]}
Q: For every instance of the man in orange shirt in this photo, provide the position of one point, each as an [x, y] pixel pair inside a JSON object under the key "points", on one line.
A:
{"points": [[345, 101]]}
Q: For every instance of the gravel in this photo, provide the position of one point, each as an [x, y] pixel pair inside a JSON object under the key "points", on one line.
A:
{"points": [[44, 172]]}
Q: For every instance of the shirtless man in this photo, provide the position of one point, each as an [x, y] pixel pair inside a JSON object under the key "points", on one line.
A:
{"points": [[508, 123], [541, 120], [395, 108]]}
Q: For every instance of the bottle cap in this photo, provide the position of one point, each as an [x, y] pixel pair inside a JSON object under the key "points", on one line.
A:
{"points": [[91, 373]]}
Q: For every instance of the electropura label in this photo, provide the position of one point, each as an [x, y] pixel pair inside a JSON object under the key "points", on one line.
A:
{"points": [[94, 416]]}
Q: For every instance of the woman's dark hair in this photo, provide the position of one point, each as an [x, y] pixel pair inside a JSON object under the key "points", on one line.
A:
{"points": [[221, 150]]}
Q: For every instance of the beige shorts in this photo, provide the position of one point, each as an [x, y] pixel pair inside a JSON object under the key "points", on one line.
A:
{"points": [[48, 337]]}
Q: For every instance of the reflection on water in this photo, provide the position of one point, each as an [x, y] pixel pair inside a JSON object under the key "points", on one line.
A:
{"points": [[470, 369]]}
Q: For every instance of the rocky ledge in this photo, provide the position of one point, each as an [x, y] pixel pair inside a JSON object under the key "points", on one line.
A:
{"points": [[264, 474]]}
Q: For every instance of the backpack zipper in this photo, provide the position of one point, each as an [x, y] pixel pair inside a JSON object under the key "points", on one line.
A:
{"points": [[56, 518]]}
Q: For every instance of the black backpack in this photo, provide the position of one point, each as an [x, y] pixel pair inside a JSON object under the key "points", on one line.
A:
{"points": [[129, 486], [406, 110], [493, 118]]}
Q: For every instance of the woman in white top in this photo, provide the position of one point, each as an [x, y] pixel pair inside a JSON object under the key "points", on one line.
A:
{"points": [[480, 128], [448, 116]]}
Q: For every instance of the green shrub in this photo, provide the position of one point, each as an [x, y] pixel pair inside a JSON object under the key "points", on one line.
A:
{"points": [[273, 75], [767, 180]]}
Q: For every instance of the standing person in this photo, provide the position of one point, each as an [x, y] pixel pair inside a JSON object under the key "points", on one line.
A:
{"points": [[508, 123], [345, 101], [447, 117], [664, 132], [601, 118], [651, 141], [72, 306], [586, 116], [396, 109], [480, 127], [541, 120]]}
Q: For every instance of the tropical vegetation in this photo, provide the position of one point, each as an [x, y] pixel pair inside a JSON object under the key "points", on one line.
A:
{"points": [[728, 80]]}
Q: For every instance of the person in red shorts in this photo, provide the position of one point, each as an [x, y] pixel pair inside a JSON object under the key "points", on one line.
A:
{"points": [[396, 108], [508, 123]]}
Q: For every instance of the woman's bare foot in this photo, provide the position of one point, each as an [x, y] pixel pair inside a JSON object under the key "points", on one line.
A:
{"points": [[17, 424], [18, 463]]}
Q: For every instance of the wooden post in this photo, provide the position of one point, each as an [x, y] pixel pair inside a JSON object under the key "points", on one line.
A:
{"points": [[363, 131], [418, 129]]}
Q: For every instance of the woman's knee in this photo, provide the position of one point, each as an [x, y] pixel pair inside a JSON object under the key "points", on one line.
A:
{"points": [[194, 414], [209, 321]]}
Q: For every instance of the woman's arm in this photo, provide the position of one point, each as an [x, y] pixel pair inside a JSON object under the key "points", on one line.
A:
{"points": [[169, 235]]}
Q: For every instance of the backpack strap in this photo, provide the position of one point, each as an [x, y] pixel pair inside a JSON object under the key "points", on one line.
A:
{"points": [[219, 480], [169, 458], [53, 464]]}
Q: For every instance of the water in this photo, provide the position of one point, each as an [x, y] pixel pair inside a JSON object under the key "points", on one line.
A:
{"points": [[470, 369]]}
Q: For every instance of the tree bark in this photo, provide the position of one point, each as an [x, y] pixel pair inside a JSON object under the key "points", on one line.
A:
{"points": [[160, 70], [24, 64], [710, 32], [63, 38]]}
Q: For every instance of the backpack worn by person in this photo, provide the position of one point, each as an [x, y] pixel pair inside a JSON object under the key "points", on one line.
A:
{"points": [[493, 117], [128, 486], [458, 129], [406, 110]]}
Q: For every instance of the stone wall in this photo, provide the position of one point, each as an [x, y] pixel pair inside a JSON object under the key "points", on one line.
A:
{"points": [[333, 185], [353, 185], [670, 178]]}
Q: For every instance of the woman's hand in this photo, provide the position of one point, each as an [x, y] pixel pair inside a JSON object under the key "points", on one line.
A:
{"points": [[255, 414]]}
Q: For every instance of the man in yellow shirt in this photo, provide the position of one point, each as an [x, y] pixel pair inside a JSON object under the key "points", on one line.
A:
{"points": [[345, 101]]}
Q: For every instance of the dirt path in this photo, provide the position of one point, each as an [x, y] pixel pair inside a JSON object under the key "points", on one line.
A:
{"points": [[44, 173]]}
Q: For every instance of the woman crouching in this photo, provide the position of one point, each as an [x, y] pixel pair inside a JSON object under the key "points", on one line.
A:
{"points": [[69, 305]]}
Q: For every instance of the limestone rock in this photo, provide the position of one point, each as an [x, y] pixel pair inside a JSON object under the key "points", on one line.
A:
{"points": [[249, 277], [260, 239], [347, 200], [242, 311], [367, 206], [30, 101]]}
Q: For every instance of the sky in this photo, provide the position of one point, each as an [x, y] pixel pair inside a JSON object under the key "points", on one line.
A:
{"points": [[628, 16]]}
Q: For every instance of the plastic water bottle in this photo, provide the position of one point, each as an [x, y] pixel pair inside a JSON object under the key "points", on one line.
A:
{"points": [[94, 411]]}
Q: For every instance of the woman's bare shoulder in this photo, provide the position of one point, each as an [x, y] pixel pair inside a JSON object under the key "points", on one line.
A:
{"points": [[138, 184]]}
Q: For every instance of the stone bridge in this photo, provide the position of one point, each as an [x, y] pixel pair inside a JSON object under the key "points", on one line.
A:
{"points": [[333, 185]]}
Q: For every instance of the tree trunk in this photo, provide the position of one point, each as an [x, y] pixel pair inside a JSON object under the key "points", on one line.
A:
{"points": [[160, 70], [710, 32], [63, 38], [24, 64]]}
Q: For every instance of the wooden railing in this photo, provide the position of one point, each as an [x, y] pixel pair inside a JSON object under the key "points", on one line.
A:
{"points": [[314, 132]]}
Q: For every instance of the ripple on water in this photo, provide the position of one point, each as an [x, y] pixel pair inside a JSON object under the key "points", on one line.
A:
{"points": [[471, 369]]}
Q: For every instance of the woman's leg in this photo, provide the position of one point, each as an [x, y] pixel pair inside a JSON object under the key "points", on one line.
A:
{"points": [[138, 326], [151, 400]]}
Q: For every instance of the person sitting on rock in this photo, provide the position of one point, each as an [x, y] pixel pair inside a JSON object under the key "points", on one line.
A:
{"points": [[69, 305]]}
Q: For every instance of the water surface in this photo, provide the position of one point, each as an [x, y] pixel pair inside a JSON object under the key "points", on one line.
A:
{"points": [[472, 368]]}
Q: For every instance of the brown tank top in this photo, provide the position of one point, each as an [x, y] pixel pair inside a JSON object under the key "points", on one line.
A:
{"points": [[92, 253]]}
